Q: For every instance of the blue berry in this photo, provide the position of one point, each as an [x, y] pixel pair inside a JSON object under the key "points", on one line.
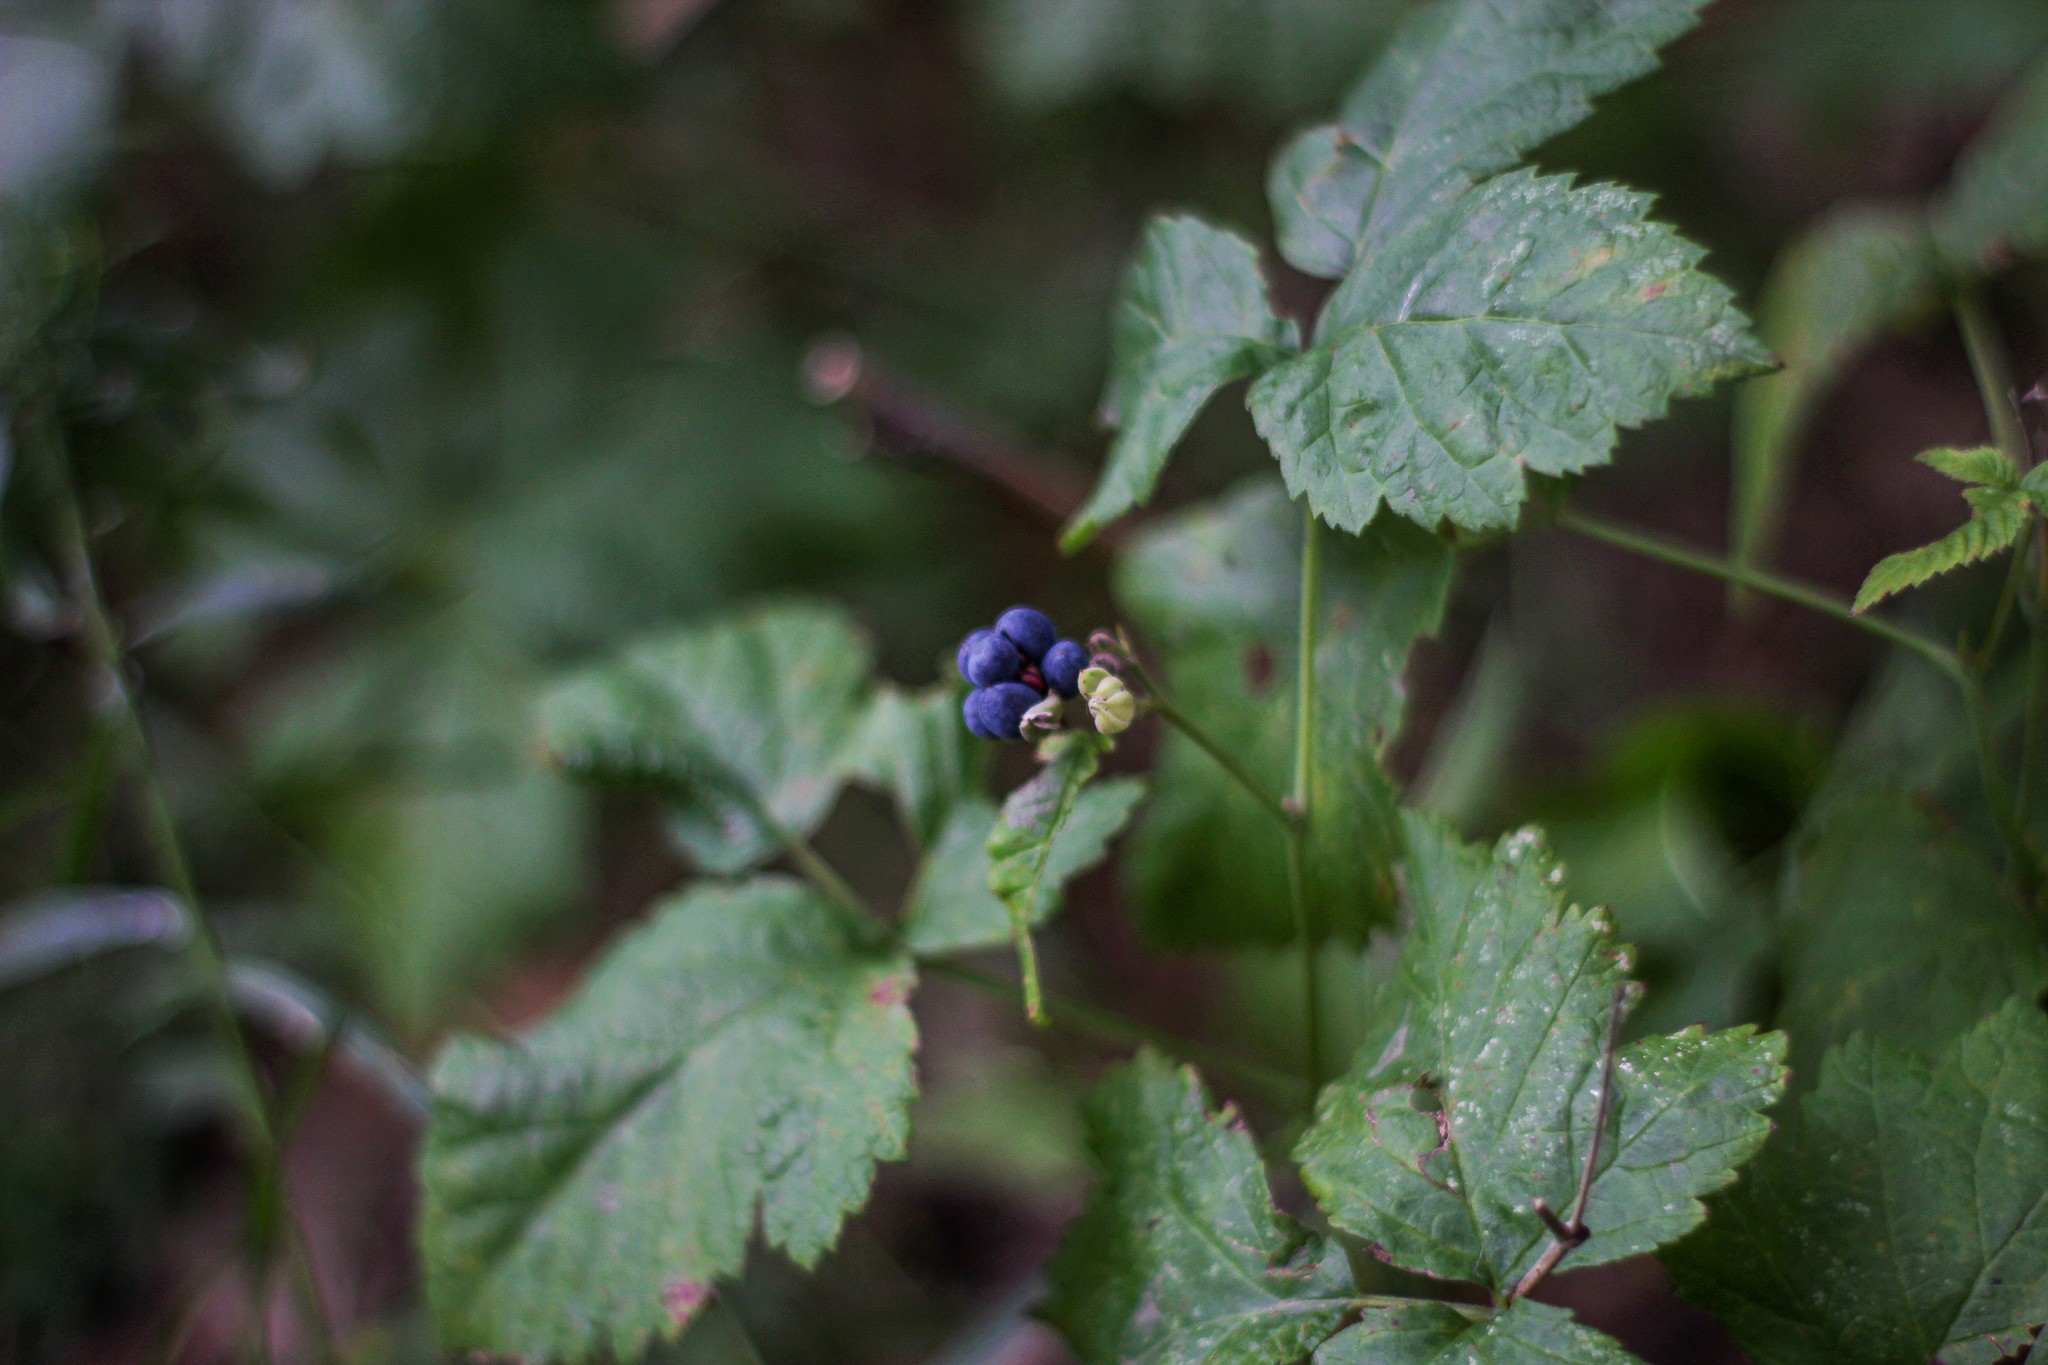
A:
{"points": [[967, 649], [1062, 667], [993, 660], [996, 712], [1030, 629]]}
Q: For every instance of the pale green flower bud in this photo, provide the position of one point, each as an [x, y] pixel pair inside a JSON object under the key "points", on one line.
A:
{"points": [[1109, 701]]}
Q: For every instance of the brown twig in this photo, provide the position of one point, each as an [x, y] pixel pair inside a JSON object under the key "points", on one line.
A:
{"points": [[1569, 1234], [908, 423]]}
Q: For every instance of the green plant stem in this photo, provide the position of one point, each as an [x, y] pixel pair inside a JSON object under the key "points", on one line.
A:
{"points": [[1770, 584], [820, 873], [1298, 809], [203, 946], [1180, 721], [1109, 1026], [1993, 369]]}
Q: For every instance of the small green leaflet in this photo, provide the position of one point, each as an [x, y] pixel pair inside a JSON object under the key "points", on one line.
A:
{"points": [[1996, 208], [1464, 89], [1215, 590], [1424, 1333], [1900, 1218], [1192, 316], [912, 745], [1513, 330], [1180, 1257], [1475, 1094], [1025, 837], [952, 908], [743, 724], [2000, 511], [744, 1054], [1852, 278]]}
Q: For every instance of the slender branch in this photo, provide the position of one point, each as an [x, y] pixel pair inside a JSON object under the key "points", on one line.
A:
{"points": [[1109, 1026], [818, 872], [1187, 725], [1770, 584], [1993, 370], [1298, 808], [1569, 1234]]}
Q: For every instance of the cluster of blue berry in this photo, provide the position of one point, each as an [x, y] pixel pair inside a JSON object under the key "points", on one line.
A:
{"points": [[1013, 668]]}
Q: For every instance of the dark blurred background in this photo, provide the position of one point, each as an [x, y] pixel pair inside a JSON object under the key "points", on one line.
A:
{"points": [[409, 351]]}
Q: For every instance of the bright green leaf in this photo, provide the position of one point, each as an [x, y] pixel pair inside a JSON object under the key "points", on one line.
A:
{"points": [[1193, 315], [1845, 282], [913, 746], [1513, 330], [744, 1055], [1894, 922], [1985, 465], [1900, 1218], [1215, 591], [1477, 1093], [1424, 1333], [1026, 833], [1996, 208], [952, 907], [738, 723], [1180, 1257], [1998, 517], [1465, 88]]}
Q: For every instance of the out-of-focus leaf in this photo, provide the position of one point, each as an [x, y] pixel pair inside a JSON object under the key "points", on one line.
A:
{"points": [[1468, 760], [952, 907], [913, 746], [35, 267], [1465, 88], [254, 588], [1215, 590], [1422, 1333], [1281, 56], [743, 724], [1180, 1257], [1900, 1217], [1513, 330], [289, 1006], [1026, 834], [1895, 924], [1849, 279], [50, 932], [1996, 208], [1192, 316], [1478, 1092], [744, 1055], [56, 111], [1998, 517]]}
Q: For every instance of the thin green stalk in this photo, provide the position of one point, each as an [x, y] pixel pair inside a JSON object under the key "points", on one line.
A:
{"points": [[1109, 1026], [1770, 584], [821, 873], [81, 853], [1993, 369], [1180, 721], [1299, 800], [2031, 746]]}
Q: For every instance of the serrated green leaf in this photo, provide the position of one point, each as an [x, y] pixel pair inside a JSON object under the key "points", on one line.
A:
{"points": [[913, 746], [1215, 591], [1514, 329], [1986, 465], [587, 1184], [1900, 1218], [1894, 922], [739, 722], [1180, 1257], [1476, 1094], [1464, 89], [1026, 832], [2035, 486], [1996, 207], [1845, 282], [1998, 517], [1192, 316], [952, 907], [1423, 1333]]}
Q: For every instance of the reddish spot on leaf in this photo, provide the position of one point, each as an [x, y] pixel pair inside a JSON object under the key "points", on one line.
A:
{"points": [[1655, 291], [683, 1298], [889, 993], [1258, 669]]}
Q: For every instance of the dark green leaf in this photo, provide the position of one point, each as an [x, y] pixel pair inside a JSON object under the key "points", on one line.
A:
{"points": [[1423, 1333], [743, 724], [1192, 316], [743, 1054], [1215, 591], [1998, 517], [1996, 208], [1900, 1218], [1180, 1257], [913, 746], [1895, 923], [1856, 275], [1477, 1093], [1026, 833], [1465, 88], [1514, 329], [952, 907]]}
